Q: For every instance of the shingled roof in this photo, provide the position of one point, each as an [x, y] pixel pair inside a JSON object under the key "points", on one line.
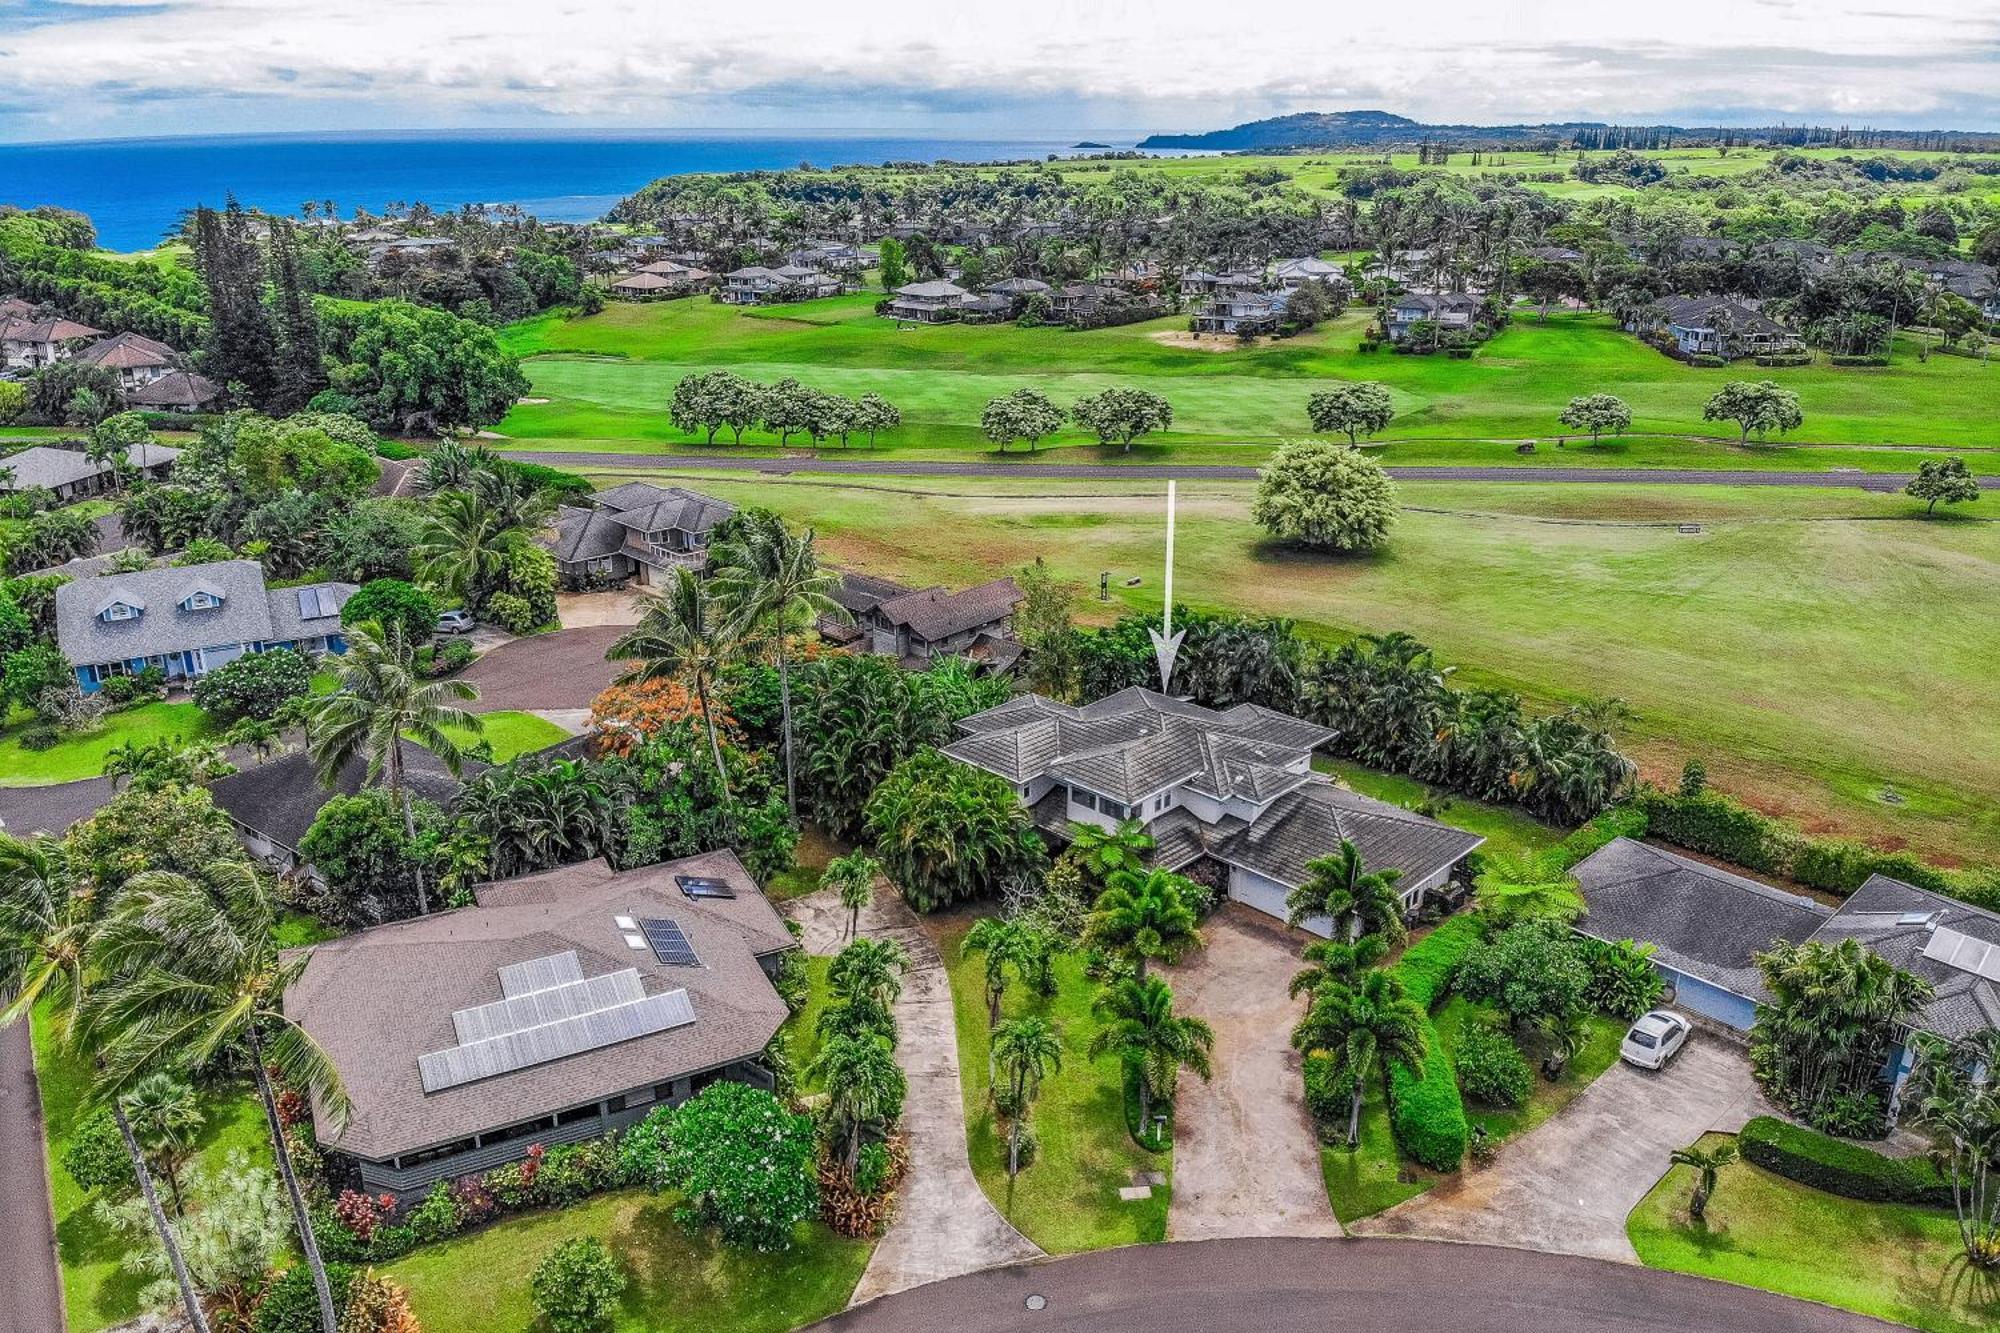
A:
{"points": [[1898, 921], [176, 388], [51, 467], [380, 999], [1311, 822], [248, 613], [932, 614], [280, 799], [128, 351], [586, 534], [645, 507]]}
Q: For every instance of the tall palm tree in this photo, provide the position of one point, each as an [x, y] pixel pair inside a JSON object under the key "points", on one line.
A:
{"points": [[1025, 1051], [1006, 943], [864, 1087], [1144, 918], [774, 578], [1335, 963], [870, 972], [48, 928], [1364, 1028], [194, 970], [467, 536], [688, 635], [1707, 1164], [853, 878], [1341, 887], [1143, 1031], [379, 701]]}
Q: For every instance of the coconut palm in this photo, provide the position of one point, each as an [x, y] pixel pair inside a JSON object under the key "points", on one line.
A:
{"points": [[463, 544], [1707, 1164], [852, 877], [1364, 1028], [1342, 887], [774, 578], [1336, 963], [864, 1088], [1143, 1031], [690, 636], [378, 702], [1025, 1051], [193, 970], [48, 930], [1006, 943], [1144, 918]]}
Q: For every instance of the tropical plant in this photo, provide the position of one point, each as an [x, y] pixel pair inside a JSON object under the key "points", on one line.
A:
{"points": [[1006, 943], [1510, 889], [1107, 853], [1832, 1017], [852, 878], [1336, 963], [1025, 1051], [1143, 918], [687, 635], [864, 1089], [947, 832], [1623, 980], [378, 702], [1329, 497], [741, 1160], [1490, 1066], [1706, 1164], [1363, 1028], [576, 1286], [865, 980], [1357, 899], [1954, 1098], [1141, 1028], [1530, 972]]}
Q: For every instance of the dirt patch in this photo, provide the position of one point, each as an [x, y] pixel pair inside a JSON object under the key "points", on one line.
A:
{"points": [[530, 401], [1213, 342]]}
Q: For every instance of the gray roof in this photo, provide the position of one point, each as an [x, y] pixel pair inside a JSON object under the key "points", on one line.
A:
{"points": [[248, 614], [1702, 921], [1434, 303], [1880, 913], [645, 507], [586, 534], [865, 592], [176, 388], [932, 614], [933, 291], [280, 799], [379, 1000], [1017, 286], [1698, 312], [45, 465], [1311, 822]]}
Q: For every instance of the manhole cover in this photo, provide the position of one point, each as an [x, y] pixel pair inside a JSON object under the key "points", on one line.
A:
{"points": [[1037, 1302]]}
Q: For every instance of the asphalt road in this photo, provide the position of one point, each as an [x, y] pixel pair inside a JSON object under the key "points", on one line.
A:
{"points": [[1382, 1286], [879, 466], [30, 1281]]}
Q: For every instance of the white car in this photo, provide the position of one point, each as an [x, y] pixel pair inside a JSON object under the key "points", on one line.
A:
{"points": [[1654, 1039]]}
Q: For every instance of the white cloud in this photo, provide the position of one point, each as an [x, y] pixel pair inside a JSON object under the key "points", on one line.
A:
{"points": [[102, 67]]}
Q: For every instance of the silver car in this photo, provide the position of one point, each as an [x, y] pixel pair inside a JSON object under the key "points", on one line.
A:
{"points": [[455, 622], [1655, 1039]]}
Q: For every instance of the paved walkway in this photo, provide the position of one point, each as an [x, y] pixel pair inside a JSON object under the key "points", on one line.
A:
{"points": [[29, 1275], [1311, 1286], [944, 1226], [1245, 1160], [1567, 1185]]}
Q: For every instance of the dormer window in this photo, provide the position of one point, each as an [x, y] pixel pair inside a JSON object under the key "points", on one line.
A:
{"points": [[200, 601], [120, 611]]}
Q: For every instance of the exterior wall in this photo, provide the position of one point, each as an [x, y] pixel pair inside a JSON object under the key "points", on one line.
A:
{"points": [[1710, 1000], [192, 662]]}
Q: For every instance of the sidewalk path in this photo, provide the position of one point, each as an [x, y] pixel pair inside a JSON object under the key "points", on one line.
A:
{"points": [[29, 1273]]}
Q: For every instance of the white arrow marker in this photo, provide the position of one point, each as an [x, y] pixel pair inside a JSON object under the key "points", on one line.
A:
{"points": [[1167, 643]]}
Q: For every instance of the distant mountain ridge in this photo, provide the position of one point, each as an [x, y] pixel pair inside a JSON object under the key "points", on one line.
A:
{"points": [[1373, 129]]}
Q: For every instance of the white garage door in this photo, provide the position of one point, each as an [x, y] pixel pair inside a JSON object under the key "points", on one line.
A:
{"points": [[1268, 896]]}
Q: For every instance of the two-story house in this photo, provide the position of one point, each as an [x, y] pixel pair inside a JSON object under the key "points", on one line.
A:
{"points": [[30, 344], [1719, 326], [1453, 313], [1292, 274], [1229, 796], [916, 626], [635, 529], [1240, 312], [928, 303], [189, 621], [136, 359], [758, 285]]}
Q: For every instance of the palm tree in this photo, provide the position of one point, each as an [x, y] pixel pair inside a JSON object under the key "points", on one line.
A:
{"points": [[869, 972], [378, 702], [687, 635], [1005, 943], [1707, 1164], [165, 1116], [1108, 853], [1341, 887], [864, 1087], [1144, 919], [195, 970], [48, 930], [853, 878], [1025, 1051], [1336, 963], [773, 576], [1364, 1028], [1143, 1031]]}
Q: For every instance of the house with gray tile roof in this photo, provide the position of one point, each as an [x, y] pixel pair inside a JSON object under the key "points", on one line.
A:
{"points": [[636, 528], [916, 626], [1451, 312], [189, 621], [559, 1007], [1234, 788], [71, 474], [176, 391], [1951, 944]]}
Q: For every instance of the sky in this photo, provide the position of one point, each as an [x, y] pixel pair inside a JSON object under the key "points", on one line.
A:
{"points": [[1025, 69]]}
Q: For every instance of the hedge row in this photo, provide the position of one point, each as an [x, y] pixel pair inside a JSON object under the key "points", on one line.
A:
{"points": [[1426, 1113], [1838, 1167]]}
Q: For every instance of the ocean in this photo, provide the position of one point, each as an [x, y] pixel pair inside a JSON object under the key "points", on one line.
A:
{"points": [[136, 190]]}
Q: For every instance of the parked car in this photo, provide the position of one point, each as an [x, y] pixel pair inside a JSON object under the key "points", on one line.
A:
{"points": [[1655, 1039], [455, 622]]}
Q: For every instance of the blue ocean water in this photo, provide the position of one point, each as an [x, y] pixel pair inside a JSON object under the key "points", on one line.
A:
{"points": [[137, 189]]}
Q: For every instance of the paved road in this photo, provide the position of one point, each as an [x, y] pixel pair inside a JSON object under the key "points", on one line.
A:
{"points": [[1309, 1286], [29, 1277], [995, 467]]}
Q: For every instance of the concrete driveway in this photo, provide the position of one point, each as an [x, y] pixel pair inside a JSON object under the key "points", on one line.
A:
{"points": [[1566, 1186], [1245, 1160], [562, 670]]}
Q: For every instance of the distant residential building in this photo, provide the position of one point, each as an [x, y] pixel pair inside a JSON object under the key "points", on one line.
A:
{"points": [[918, 625], [189, 621], [1241, 313], [758, 285], [1291, 274], [1719, 326], [644, 286], [30, 344], [1452, 312], [176, 391], [635, 529], [1018, 289], [70, 475], [928, 303], [136, 359]]}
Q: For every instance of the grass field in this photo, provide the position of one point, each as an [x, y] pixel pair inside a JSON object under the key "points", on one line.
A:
{"points": [[82, 755], [1372, 1177], [1068, 1200], [608, 377], [1895, 1262], [1827, 654], [512, 733]]}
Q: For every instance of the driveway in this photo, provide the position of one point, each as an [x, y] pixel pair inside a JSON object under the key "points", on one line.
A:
{"points": [[562, 670], [52, 809], [1245, 1159], [944, 1225], [1567, 1185], [577, 610], [29, 1273]]}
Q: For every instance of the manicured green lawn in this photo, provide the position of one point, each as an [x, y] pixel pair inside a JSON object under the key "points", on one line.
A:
{"points": [[1893, 1261], [82, 755], [1826, 653], [1508, 830], [677, 1281], [1372, 1176], [1544, 1098], [1068, 1200], [512, 734], [97, 1291]]}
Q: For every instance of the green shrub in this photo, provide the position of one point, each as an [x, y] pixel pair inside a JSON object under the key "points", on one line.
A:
{"points": [[515, 614], [1847, 1169], [38, 738], [96, 1158], [1627, 820], [1426, 1114], [254, 685], [576, 1286], [1491, 1068], [1427, 966], [1858, 360], [119, 690], [871, 1168], [1329, 1089], [289, 1304], [437, 1216], [1708, 822]]}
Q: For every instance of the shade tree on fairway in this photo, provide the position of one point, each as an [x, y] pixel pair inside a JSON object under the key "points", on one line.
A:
{"points": [[708, 402], [1761, 406], [1328, 497], [1025, 414], [1597, 413], [1355, 410], [1120, 416], [1942, 481]]}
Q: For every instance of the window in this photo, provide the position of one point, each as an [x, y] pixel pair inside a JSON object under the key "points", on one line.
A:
{"points": [[120, 611], [570, 1117], [410, 1159], [1083, 798], [520, 1131]]}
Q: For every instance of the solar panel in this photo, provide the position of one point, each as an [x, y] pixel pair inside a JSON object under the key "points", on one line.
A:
{"points": [[558, 969], [698, 886], [505, 1052], [1964, 952], [670, 945], [547, 1006]]}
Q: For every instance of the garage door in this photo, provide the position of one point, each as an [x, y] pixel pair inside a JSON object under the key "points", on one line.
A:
{"points": [[1268, 896], [1710, 1001]]}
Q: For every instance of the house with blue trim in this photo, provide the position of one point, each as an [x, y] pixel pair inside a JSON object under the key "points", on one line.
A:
{"points": [[189, 621]]}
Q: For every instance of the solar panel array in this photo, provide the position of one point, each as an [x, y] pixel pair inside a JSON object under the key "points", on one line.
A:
{"points": [[577, 1030], [670, 943], [698, 886], [550, 1005], [540, 973], [1965, 952], [316, 602]]}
